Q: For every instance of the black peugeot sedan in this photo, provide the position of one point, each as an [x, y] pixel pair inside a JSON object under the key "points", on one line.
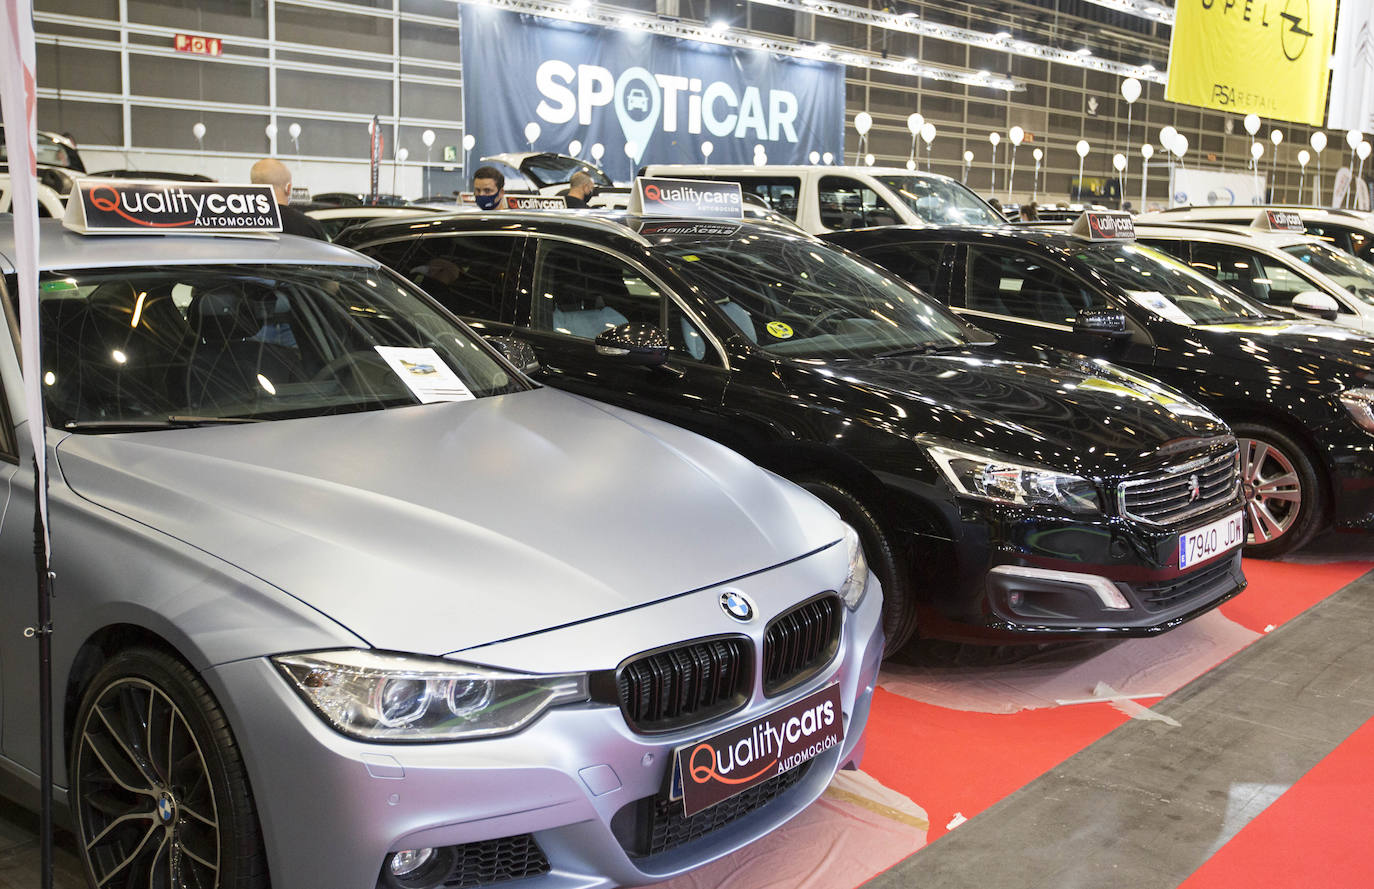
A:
{"points": [[1005, 493], [1299, 395]]}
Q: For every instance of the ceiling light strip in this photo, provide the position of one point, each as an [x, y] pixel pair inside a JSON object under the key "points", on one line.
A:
{"points": [[910, 23], [620, 19]]}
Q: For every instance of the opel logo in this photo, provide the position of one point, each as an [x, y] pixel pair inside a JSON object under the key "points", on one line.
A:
{"points": [[1292, 32], [737, 606], [1194, 488]]}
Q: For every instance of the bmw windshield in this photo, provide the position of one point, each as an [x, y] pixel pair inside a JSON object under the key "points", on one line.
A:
{"points": [[147, 348], [794, 297], [940, 201], [1164, 285]]}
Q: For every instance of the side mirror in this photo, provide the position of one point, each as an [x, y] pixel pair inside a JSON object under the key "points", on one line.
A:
{"points": [[1320, 304], [1110, 323], [634, 343], [517, 352]]}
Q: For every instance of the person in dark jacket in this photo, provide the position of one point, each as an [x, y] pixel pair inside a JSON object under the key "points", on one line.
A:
{"points": [[270, 171], [581, 189]]}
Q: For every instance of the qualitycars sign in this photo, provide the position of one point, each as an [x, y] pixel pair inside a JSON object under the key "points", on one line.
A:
{"points": [[733, 761], [1266, 57], [662, 97], [130, 207]]}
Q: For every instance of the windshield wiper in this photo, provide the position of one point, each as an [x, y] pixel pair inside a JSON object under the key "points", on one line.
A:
{"points": [[176, 421], [921, 349]]}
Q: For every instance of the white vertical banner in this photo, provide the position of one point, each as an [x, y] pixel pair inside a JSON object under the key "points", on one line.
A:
{"points": [[1352, 69], [19, 102]]}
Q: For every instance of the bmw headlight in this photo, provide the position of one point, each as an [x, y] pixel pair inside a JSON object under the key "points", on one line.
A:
{"points": [[1360, 403], [391, 697], [993, 477], [856, 581]]}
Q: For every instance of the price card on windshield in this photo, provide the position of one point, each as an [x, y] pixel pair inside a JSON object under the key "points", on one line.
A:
{"points": [[425, 373], [1160, 304]]}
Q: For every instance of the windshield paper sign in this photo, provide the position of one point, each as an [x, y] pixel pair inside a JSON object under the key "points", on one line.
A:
{"points": [[124, 207], [733, 761], [687, 197], [644, 98]]}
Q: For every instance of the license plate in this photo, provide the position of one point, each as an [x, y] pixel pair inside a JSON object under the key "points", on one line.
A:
{"points": [[1212, 540], [714, 769]]}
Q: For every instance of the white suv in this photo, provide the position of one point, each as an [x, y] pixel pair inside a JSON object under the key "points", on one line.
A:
{"points": [[1348, 230], [823, 199]]}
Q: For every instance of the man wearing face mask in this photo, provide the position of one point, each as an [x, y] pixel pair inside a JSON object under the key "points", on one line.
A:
{"points": [[489, 188], [581, 189]]}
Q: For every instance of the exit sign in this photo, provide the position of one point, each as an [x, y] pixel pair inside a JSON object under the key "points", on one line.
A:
{"points": [[195, 43]]}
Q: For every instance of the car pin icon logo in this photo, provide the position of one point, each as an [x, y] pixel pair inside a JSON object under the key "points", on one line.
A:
{"points": [[1194, 487], [736, 605]]}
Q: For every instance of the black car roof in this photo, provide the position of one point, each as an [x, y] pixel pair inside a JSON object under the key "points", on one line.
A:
{"points": [[1053, 239]]}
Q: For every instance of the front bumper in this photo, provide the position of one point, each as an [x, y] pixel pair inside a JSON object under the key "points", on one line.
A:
{"points": [[332, 808]]}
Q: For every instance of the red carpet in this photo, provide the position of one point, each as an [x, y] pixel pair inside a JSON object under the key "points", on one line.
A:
{"points": [[1315, 835], [1280, 591]]}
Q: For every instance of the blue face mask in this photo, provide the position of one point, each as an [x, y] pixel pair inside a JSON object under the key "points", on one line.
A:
{"points": [[487, 201]]}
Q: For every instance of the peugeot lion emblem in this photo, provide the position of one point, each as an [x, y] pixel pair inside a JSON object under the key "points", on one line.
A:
{"points": [[1194, 488], [736, 605]]}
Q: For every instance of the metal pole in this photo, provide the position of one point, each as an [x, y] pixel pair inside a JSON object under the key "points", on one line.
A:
{"points": [[44, 633]]}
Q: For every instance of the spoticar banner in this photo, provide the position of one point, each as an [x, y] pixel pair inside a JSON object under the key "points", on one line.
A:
{"points": [[1265, 57], [662, 96]]}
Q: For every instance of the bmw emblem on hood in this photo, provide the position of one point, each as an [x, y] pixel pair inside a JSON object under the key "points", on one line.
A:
{"points": [[737, 605]]}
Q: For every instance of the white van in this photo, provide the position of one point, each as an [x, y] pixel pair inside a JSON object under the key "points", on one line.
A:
{"points": [[823, 198]]}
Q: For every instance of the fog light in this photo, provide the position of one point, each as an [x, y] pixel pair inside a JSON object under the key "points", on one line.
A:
{"points": [[407, 862]]}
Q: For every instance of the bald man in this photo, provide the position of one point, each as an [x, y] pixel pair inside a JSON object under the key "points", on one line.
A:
{"points": [[270, 171], [581, 189]]}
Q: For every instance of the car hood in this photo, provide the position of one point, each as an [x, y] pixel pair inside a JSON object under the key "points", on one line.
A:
{"points": [[437, 528], [1052, 408], [1311, 349]]}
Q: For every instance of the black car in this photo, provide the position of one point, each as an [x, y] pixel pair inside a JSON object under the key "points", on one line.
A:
{"points": [[1008, 493], [1299, 395]]}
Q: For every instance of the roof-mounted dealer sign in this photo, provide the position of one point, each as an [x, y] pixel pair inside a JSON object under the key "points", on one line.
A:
{"points": [[124, 207], [687, 197], [1266, 57]]}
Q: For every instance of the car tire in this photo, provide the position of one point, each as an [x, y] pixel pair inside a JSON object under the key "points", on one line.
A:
{"points": [[899, 607], [159, 792], [1284, 500]]}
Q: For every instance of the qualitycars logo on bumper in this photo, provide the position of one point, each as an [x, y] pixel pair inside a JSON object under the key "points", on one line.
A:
{"points": [[733, 761]]}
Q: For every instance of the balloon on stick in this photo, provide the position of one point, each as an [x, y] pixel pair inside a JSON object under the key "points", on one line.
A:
{"points": [[994, 137], [814, 157], [706, 148], [869, 159], [914, 122], [531, 133], [1130, 91], [1303, 158], [295, 132], [598, 150], [198, 130], [1318, 143], [827, 158], [863, 122], [575, 147], [1016, 135], [1035, 180], [1082, 148], [1252, 124], [968, 162]]}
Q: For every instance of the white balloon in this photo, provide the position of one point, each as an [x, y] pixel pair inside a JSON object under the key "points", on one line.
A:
{"points": [[1275, 136], [294, 130], [928, 133], [1180, 146], [1303, 158], [198, 130], [631, 149], [1252, 123], [1037, 154], [968, 157], [271, 131], [869, 159], [531, 131], [914, 123], [910, 164], [469, 141], [1082, 148], [1166, 136], [1353, 138], [1130, 89], [575, 147], [863, 122], [706, 148], [427, 137], [827, 158], [1362, 150], [814, 157], [1017, 135], [1256, 149], [597, 151], [1318, 141], [402, 154], [994, 138], [1119, 161], [761, 159], [1147, 151]]}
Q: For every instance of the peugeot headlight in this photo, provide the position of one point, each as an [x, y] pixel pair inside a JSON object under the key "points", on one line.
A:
{"points": [[392, 697], [856, 581], [993, 477], [1360, 403]]}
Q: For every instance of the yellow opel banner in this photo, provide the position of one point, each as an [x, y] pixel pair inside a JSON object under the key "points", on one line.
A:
{"points": [[1268, 57]]}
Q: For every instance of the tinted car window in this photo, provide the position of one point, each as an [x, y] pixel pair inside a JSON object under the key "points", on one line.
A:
{"points": [[1021, 285], [941, 202], [779, 192], [918, 264], [1352, 273], [467, 274], [1164, 285], [847, 203], [158, 345], [1248, 273]]}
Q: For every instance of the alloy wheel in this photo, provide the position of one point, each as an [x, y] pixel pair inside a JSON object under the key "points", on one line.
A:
{"points": [[1272, 490], [147, 808]]}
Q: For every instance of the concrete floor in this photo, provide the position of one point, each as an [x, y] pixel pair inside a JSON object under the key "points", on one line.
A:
{"points": [[1144, 806]]}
